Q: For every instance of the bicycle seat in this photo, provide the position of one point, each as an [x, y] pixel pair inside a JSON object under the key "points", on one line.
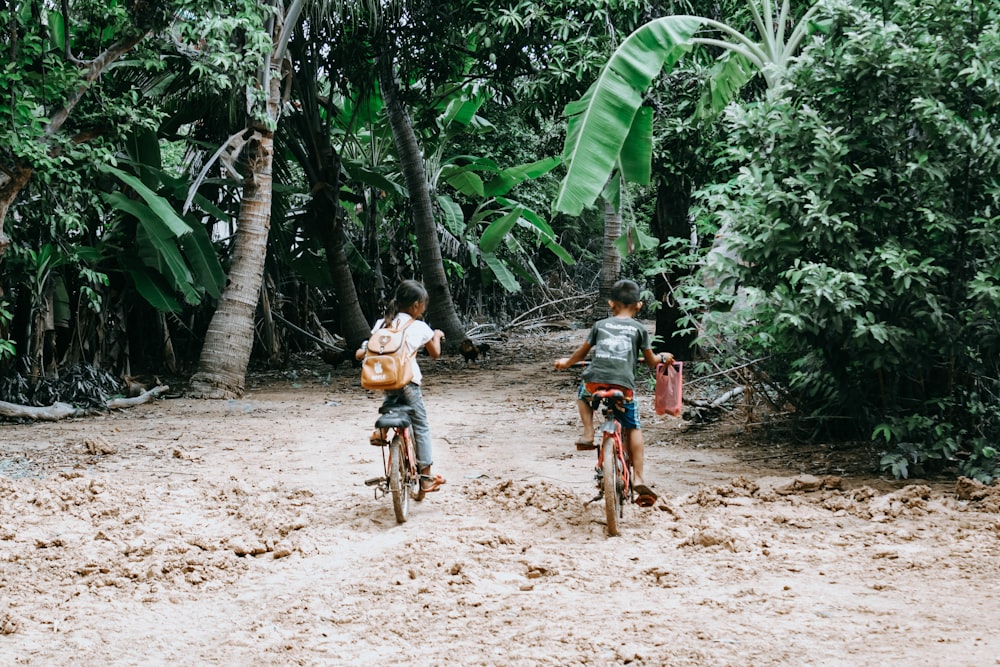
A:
{"points": [[611, 396], [394, 419]]}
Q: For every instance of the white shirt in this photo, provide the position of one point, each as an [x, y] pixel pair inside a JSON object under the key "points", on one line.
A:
{"points": [[416, 336]]}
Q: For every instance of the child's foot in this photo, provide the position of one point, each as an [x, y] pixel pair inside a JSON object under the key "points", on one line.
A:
{"points": [[644, 495], [428, 482], [584, 443]]}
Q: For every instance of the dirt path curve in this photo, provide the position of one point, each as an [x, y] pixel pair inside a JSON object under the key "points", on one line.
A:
{"points": [[240, 532]]}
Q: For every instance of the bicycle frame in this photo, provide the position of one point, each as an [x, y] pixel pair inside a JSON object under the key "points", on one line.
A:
{"points": [[615, 492], [401, 478]]}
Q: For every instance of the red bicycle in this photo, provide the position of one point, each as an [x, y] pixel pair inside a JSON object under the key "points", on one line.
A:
{"points": [[614, 467], [401, 479]]}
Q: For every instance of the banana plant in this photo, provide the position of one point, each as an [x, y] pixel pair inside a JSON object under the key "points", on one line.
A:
{"points": [[175, 256], [497, 216], [489, 228], [605, 129]]}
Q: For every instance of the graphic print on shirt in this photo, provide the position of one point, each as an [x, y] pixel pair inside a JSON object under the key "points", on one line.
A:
{"points": [[616, 343]]}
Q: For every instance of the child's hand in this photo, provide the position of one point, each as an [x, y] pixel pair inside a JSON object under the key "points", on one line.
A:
{"points": [[666, 358], [562, 364], [439, 334]]}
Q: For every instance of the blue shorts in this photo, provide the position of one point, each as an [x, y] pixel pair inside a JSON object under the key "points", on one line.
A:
{"points": [[628, 416]]}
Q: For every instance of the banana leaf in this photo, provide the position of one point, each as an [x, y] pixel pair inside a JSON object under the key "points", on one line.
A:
{"points": [[507, 179], [203, 260], [500, 270], [158, 246], [599, 122], [497, 230], [160, 206]]}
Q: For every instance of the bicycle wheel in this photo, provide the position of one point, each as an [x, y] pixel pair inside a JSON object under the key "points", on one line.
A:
{"points": [[398, 475], [611, 482]]}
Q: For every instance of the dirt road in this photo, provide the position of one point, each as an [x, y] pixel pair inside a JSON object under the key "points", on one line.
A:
{"points": [[191, 532]]}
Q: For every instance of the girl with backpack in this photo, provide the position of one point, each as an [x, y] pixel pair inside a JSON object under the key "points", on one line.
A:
{"points": [[404, 313]]}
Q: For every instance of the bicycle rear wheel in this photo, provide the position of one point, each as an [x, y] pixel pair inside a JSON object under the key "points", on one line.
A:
{"points": [[398, 478], [611, 481]]}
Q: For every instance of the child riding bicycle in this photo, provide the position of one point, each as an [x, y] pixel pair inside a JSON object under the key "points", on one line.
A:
{"points": [[618, 342], [410, 303]]}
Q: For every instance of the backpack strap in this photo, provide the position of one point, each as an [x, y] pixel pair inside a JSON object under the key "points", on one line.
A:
{"points": [[402, 330]]}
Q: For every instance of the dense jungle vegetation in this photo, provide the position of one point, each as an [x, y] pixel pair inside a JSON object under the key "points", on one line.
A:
{"points": [[808, 192]]}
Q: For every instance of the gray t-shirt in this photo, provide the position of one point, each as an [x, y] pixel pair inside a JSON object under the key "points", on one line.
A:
{"points": [[617, 344]]}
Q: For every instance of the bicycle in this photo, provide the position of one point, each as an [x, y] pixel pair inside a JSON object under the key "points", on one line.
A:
{"points": [[614, 467], [399, 459]]}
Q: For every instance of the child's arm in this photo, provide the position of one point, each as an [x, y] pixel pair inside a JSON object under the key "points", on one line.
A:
{"points": [[579, 355], [652, 359], [433, 346], [359, 354]]}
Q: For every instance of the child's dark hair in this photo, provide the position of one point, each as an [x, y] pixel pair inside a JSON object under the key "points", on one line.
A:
{"points": [[407, 293], [625, 292]]}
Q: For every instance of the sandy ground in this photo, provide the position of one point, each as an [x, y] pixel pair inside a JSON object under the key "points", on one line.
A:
{"points": [[190, 532]]}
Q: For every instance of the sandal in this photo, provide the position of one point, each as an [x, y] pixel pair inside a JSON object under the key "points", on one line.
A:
{"points": [[644, 496], [583, 445], [430, 484]]}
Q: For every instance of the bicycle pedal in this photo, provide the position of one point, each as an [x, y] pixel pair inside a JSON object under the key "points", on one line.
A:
{"points": [[599, 497], [375, 481]]}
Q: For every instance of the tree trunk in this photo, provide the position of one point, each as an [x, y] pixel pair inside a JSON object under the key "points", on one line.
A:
{"points": [[12, 181], [673, 202], [441, 310], [611, 260], [225, 353], [328, 223]]}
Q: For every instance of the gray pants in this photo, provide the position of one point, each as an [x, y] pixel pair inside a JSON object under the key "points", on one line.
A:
{"points": [[421, 428]]}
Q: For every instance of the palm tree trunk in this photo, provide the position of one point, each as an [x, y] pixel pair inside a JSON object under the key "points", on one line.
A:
{"points": [[441, 310], [225, 353], [611, 262], [328, 224]]}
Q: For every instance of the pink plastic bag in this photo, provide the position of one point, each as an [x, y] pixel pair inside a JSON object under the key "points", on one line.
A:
{"points": [[669, 385]]}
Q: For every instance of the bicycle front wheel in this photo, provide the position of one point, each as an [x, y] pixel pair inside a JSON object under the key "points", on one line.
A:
{"points": [[398, 476], [611, 473]]}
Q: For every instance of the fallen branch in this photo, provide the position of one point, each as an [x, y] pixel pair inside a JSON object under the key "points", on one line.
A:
{"points": [[726, 397], [43, 413], [58, 411], [144, 397]]}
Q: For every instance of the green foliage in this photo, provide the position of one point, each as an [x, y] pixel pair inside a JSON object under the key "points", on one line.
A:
{"points": [[862, 230]]}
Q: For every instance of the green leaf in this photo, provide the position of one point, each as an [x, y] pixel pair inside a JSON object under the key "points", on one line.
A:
{"points": [[204, 260], [599, 123], [358, 172], [462, 109], [160, 206], [500, 270], [153, 289], [728, 76], [637, 152], [467, 182], [163, 253], [454, 218], [509, 178], [497, 230]]}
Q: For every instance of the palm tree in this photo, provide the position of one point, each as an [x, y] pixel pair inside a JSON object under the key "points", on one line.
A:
{"points": [[441, 310], [225, 353]]}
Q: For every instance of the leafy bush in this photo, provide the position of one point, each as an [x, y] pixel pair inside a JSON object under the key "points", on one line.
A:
{"points": [[863, 231]]}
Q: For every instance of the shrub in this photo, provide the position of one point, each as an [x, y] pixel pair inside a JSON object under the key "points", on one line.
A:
{"points": [[862, 231]]}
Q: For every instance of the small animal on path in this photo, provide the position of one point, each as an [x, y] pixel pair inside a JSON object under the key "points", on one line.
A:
{"points": [[472, 351]]}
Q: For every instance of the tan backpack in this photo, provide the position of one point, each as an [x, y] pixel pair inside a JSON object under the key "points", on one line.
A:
{"points": [[388, 362]]}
